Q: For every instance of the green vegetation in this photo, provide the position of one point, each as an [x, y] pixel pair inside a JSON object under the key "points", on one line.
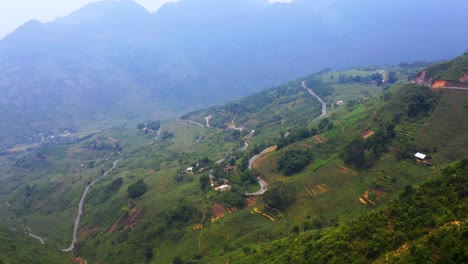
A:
{"points": [[150, 125], [452, 70], [17, 248], [265, 111], [279, 196], [376, 78], [428, 224], [114, 186], [293, 161], [332, 184], [137, 189]]}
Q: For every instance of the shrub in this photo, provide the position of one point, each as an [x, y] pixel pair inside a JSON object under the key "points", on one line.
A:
{"points": [[294, 161], [137, 189]]}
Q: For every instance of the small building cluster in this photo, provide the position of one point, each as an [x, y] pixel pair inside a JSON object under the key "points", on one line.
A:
{"points": [[228, 168], [199, 167], [220, 184]]}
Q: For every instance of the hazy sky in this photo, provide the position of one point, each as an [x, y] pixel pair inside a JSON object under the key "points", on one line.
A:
{"points": [[14, 13]]}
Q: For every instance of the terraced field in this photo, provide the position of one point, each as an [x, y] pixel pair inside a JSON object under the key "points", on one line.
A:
{"points": [[164, 181], [308, 191], [271, 214], [406, 132], [444, 134]]}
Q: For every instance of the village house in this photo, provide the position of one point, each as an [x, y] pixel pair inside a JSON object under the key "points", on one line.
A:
{"points": [[420, 156], [367, 134], [423, 159], [223, 188], [228, 168]]}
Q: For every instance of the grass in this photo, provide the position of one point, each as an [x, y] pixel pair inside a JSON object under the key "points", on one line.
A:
{"points": [[445, 132]]}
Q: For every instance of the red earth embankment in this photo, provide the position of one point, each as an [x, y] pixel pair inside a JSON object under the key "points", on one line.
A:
{"points": [[439, 84]]}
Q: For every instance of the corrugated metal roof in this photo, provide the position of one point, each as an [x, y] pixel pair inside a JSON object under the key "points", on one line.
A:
{"points": [[420, 155]]}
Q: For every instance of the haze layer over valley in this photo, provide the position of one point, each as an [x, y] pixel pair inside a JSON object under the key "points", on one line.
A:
{"points": [[113, 62]]}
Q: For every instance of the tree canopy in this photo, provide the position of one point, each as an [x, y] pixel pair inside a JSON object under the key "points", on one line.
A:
{"points": [[137, 189]]}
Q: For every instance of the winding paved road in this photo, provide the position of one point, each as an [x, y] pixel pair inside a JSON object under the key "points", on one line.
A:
{"points": [[263, 188], [262, 183], [324, 105], [254, 158], [81, 204]]}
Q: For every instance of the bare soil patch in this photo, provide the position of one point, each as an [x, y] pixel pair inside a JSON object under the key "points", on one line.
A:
{"points": [[320, 139], [197, 227], [84, 231], [251, 201], [78, 260], [347, 171], [129, 220]]}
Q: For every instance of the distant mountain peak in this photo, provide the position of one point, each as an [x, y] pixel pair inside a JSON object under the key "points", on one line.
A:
{"points": [[31, 28], [102, 9]]}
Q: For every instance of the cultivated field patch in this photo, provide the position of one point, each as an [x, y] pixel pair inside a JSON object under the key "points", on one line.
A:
{"points": [[271, 214]]}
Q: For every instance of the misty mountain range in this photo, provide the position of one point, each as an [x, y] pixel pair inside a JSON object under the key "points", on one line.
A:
{"points": [[115, 61]]}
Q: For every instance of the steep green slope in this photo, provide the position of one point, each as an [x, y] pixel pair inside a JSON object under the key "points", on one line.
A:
{"points": [[289, 106], [18, 248], [276, 107], [426, 224], [444, 133], [452, 70], [322, 194]]}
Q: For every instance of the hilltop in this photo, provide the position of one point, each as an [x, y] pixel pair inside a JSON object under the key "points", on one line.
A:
{"points": [[446, 74], [245, 179]]}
